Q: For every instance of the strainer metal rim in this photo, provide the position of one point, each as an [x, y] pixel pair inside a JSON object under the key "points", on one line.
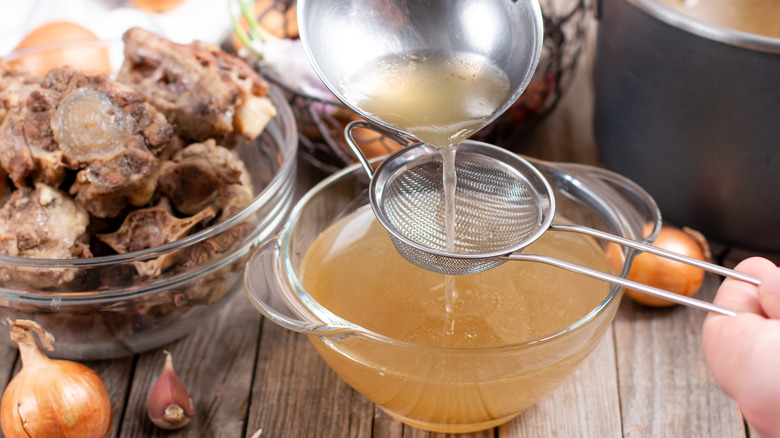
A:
{"points": [[412, 154]]}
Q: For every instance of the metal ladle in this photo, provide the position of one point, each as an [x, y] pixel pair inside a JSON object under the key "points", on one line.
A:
{"points": [[342, 37]]}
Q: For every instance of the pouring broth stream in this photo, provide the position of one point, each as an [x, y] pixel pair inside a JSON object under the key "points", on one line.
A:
{"points": [[441, 100]]}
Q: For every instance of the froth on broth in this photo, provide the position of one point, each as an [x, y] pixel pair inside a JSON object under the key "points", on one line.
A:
{"points": [[439, 99]]}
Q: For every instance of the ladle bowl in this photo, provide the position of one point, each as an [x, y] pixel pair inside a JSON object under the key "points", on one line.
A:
{"points": [[341, 37]]}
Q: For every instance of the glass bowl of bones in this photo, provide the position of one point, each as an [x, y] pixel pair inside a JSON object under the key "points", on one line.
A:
{"points": [[130, 200]]}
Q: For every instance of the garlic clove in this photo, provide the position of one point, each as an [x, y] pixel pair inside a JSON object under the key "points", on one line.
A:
{"points": [[169, 405]]}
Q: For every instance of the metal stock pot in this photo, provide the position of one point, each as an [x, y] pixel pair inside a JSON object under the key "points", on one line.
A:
{"points": [[691, 112]]}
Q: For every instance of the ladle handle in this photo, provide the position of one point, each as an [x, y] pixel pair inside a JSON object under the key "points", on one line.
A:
{"points": [[356, 149], [650, 290], [709, 267]]}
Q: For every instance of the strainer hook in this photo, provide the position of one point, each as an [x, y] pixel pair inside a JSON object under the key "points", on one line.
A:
{"points": [[394, 135]]}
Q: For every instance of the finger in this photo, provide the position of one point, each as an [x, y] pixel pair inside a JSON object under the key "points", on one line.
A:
{"points": [[744, 362], [721, 334], [736, 348], [769, 293], [742, 296]]}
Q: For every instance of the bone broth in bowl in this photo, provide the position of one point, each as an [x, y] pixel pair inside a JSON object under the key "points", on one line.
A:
{"points": [[446, 353]]}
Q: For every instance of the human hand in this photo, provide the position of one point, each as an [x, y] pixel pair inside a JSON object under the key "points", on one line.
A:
{"points": [[743, 351]]}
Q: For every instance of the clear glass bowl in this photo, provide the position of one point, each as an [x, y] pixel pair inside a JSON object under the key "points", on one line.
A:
{"points": [[494, 384], [106, 309]]}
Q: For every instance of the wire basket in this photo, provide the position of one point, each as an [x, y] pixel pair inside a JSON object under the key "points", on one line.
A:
{"points": [[565, 34], [321, 122]]}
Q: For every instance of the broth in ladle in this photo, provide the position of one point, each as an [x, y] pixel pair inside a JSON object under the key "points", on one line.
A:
{"points": [[439, 99]]}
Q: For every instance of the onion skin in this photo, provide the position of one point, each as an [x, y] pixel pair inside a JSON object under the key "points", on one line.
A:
{"points": [[156, 6], [667, 274], [53, 398], [90, 58]]}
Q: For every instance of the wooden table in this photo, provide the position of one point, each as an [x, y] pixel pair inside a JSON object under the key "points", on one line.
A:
{"points": [[647, 378]]}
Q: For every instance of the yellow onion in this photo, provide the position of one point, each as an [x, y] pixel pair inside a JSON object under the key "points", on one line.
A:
{"points": [[662, 272], [92, 58], [158, 6], [52, 398]]}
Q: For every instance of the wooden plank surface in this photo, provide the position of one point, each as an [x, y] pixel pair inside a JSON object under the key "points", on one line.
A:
{"points": [[665, 386], [117, 376], [246, 377], [216, 363], [295, 394], [251, 378], [586, 405]]}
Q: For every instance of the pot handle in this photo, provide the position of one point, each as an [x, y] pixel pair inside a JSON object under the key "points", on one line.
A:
{"points": [[270, 292]]}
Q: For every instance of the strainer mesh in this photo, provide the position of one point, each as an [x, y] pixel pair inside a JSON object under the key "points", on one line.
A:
{"points": [[495, 210]]}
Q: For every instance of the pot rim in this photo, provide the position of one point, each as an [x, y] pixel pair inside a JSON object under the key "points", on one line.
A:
{"points": [[707, 30]]}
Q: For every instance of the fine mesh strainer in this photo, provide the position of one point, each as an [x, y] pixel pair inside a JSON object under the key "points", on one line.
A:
{"points": [[502, 203]]}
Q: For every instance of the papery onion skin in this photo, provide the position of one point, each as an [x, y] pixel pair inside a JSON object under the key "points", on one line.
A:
{"points": [[88, 57], [157, 6], [54, 398], [664, 273]]}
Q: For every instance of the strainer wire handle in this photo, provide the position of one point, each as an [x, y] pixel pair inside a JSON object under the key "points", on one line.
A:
{"points": [[709, 267], [650, 290], [394, 135]]}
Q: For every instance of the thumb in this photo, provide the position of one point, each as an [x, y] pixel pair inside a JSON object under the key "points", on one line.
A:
{"points": [[769, 293]]}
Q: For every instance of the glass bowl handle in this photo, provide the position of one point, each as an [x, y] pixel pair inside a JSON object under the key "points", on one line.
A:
{"points": [[268, 289]]}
